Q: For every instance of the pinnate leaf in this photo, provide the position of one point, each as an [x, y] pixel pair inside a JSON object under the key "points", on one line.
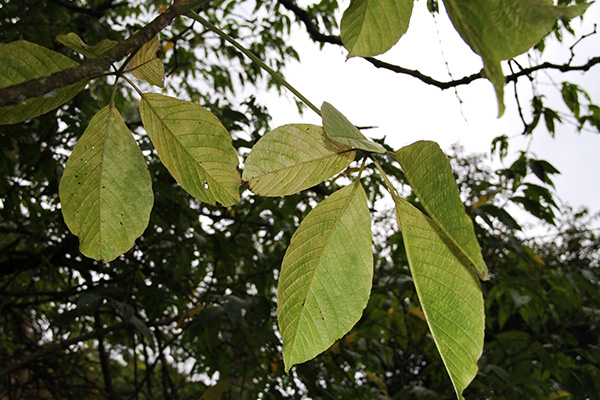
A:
{"points": [[430, 175], [106, 189], [449, 292], [74, 42], [372, 27], [194, 146], [146, 65], [338, 128], [292, 158], [500, 30], [22, 61], [326, 275]]}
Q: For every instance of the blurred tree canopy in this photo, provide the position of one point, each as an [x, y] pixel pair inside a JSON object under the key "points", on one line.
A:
{"points": [[189, 311]]}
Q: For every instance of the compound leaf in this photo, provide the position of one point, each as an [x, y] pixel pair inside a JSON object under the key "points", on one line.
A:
{"points": [[106, 189], [74, 42], [292, 158], [500, 30], [430, 175], [449, 292], [146, 65], [372, 27], [338, 128], [194, 146], [326, 275], [22, 61]]}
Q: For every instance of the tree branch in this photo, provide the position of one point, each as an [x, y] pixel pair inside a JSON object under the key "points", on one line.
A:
{"points": [[314, 33], [97, 67]]}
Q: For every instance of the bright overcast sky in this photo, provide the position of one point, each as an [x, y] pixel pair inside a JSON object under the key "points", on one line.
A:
{"points": [[405, 109]]}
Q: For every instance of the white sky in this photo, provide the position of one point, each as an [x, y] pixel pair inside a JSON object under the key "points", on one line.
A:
{"points": [[406, 110]]}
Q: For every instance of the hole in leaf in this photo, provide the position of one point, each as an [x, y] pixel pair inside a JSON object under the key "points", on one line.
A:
{"points": [[205, 185]]}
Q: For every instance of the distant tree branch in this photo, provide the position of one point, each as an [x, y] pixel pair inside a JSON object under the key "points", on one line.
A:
{"points": [[97, 67], [314, 33]]}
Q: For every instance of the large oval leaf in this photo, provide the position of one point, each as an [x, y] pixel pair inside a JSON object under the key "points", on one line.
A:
{"points": [[338, 128], [430, 175], [292, 158], [194, 146], [23, 61], [372, 27], [326, 275], [449, 292], [500, 30], [106, 189]]}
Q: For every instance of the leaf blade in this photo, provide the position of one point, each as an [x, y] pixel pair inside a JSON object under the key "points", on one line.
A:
{"points": [[74, 42], [369, 28], [430, 175], [449, 292], [292, 158], [194, 146], [325, 283], [106, 189], [146, 65], [22, 61], [338, 128]]}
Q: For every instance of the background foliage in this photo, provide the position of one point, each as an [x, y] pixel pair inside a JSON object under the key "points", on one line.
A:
{"points": [[190, 310]]}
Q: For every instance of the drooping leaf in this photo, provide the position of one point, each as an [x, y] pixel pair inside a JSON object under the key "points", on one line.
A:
{"points": [[338, 128], [292, 158], [23, 61], [430, 175], [500, 30], [372, 27], [194, 146], [449, 292], [146, 64], [74, 42], [326, 275], [106, 190]]}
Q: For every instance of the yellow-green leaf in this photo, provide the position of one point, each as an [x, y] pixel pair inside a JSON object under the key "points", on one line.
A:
{"points": [[430, 175], [372, 27], [449, 292], [500, 30], [23, 61], [146, 64], [106, 190], [74, 42], [194, 146], [338, 128], [326, 275], [292, 158]]}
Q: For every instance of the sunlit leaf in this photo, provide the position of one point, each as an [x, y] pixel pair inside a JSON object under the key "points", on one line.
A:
{"points": [[326, 275], [146, 64], [74, 42], [500, 30], [23, 61], [194, 146], [292, 158], [372, 27], [430, 175], [338, 128], [106, 190], [449, 292]]}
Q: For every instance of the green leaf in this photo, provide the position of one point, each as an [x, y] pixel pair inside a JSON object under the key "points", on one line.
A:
{"points": [[372, 27], [194, 146], [146, 65], [338, 128], [430, 175], [74, 42], [326, 275], [500, 30], [292, 158], [449, 292], [217, 391], [23, 61], [106, 190]]}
